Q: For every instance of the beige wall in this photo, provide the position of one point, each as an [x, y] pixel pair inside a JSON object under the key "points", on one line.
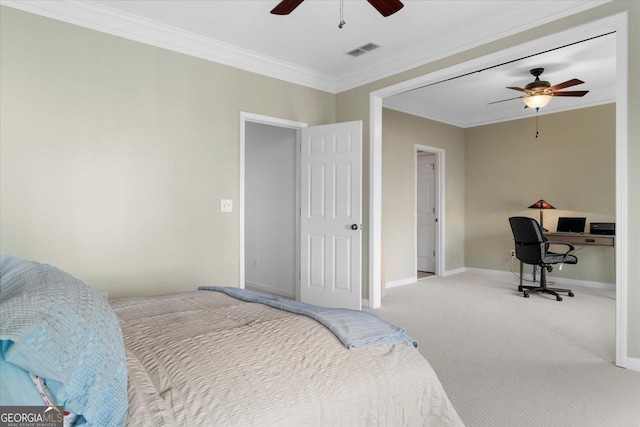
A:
{"points": [[400, 133], [494, 172], [115, 155], [571, 165]]}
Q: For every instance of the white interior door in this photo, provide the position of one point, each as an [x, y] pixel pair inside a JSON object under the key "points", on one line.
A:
{"points": [[425, 212], [330, 225]]}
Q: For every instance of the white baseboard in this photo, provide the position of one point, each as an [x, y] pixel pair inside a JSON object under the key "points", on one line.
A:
{"points": [[632, 363], [455, 271], [414, 279], [270, 289], [527, 276], [557, 280], [401, 282]]}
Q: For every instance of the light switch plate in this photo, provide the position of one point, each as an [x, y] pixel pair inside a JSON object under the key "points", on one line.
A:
{"points": [[226, 205]]}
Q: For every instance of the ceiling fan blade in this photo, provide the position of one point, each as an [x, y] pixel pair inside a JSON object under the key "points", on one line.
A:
{"points": [[386, 7], [571, 93], [503, 100], [285, 7], [568, 83], [518, 88]]}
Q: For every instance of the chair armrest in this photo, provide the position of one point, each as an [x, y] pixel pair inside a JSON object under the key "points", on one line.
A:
{"points": [[569, 251]]}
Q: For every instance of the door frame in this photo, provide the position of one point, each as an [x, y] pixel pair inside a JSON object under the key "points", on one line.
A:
{"points": [[617, 23], [439, 154], [271, 121]]}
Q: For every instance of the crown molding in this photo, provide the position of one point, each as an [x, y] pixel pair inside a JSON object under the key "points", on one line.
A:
{"points": [[118, 23], [484, 31], [107, 20]]}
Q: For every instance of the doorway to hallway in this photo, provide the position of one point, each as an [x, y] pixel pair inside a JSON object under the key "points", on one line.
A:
{"points": [[429, 211], [425, 213]]}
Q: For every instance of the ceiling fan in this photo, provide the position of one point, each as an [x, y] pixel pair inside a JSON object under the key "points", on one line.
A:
{"points": [[385, 7], [539, 92]]}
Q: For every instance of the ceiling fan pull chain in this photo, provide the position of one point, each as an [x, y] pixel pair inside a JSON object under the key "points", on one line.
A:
{"points": [[537, 121], [341, 24]]}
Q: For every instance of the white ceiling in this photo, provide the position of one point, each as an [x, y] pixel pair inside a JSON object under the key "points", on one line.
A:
{"points": [[308, 48], [464, 99]]}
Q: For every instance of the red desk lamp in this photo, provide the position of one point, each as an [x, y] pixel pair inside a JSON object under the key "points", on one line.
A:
{"points": [[541, 204]]}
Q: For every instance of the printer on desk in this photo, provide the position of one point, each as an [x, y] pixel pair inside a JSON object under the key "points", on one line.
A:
{"points": [[607, 228]]}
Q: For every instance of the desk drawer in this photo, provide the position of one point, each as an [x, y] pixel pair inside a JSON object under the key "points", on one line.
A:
{"points": [[582, 239], [594, 240]]}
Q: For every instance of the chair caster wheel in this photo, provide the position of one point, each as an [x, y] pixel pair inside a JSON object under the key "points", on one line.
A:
{"points": [[519, 288], [570, 294], [559, 298], [526, 295]]}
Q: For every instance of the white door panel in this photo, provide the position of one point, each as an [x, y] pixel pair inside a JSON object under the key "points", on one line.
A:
{"points": [[425, 213], [331, 251]]}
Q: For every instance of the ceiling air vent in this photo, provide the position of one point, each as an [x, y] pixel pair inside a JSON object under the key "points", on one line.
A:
{"points": [[363, 49]]}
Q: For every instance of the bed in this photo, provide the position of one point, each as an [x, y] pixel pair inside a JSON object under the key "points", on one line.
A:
{"points": [[209, 357]]}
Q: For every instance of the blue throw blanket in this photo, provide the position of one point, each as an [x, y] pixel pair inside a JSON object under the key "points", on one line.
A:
{"points": [[353, 328]]}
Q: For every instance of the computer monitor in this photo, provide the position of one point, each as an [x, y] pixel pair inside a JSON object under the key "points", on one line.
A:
{"points": [[571, 225]]}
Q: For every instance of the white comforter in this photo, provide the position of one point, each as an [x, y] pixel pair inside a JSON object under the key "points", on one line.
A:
{"points": [[206, 359]]}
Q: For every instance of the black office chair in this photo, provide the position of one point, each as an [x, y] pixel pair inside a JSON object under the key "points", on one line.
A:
{"points": [[532, 248]]}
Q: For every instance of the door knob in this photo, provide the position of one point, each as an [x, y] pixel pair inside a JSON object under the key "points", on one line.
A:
{"points": [[354, 226]]}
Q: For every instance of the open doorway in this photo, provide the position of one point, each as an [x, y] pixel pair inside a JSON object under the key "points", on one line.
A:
{"points": [[269, 204], [615, 23], [429, 215], [279, 205], [425, 214], [270, 208]]}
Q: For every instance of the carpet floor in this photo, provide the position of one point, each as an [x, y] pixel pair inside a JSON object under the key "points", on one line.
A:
{"points": [[505, 360]]}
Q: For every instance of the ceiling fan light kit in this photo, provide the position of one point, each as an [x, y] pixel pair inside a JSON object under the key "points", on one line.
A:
{"points": [[538, 93], [537, 101]]}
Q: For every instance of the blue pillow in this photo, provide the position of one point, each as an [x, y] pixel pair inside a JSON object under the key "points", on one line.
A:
{"points": [[55, 326], [16, 388]]}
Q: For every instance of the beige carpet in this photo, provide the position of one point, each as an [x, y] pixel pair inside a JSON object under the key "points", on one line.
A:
{"points": [[509, 361]]}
